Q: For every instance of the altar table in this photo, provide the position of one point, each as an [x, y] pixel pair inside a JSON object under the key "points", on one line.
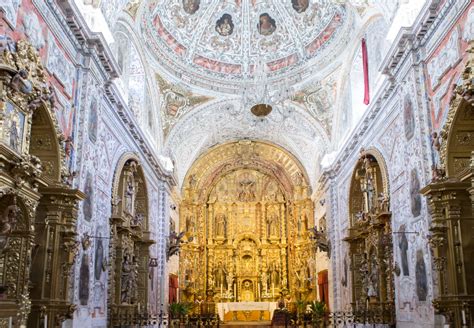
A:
{"points": [[246, 307]]}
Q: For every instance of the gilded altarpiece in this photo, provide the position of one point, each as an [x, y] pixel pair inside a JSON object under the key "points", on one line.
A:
{"points": [[38, 207], [247, 234], [370, 239]]}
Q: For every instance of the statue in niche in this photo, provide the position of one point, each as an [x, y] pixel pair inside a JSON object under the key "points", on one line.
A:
{"points": [[129, 276], [274, 274], [364, 274], [247, 189], [129, 194], [403, 245], [272, 223], [84, 280], [220, 274], [220, 224], [421, 277], [372, 288], [9, 219]]}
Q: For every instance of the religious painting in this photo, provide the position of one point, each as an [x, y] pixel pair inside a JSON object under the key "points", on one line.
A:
{"points": [[415, 197], [88, 203], [421, 277], [84, 280], [266, 24], [408, 118], [174, 103], [300, 5], [14, 127], [403, 245], [93, 120], [191, 6], [99, 259], [224, 25], [10, 9]]}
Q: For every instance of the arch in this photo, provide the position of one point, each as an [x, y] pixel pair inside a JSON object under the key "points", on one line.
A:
{"points": [[130, 241], [44, 144], [370, 237], [245, 202]]}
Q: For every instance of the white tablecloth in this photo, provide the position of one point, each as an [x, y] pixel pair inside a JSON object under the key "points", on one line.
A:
{"points": [[223, 308]]}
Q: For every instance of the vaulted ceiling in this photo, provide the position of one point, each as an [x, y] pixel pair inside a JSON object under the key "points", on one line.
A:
{"points": [[203, 52]]}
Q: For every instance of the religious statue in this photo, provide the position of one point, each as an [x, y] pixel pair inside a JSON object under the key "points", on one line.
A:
{"points": [[126, 280], [174, 243], [20, 82], [129, 194], [372, 288], [221, 223], [272, 223], [247, 189], [220, 274], [274, 274], [7, 223], [384, 202]]}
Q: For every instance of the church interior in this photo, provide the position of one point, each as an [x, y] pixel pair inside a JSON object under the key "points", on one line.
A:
{"points": [[208, 163]]}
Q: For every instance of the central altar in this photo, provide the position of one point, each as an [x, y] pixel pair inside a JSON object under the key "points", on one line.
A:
{"points": [[247, 227], [246, 311]]}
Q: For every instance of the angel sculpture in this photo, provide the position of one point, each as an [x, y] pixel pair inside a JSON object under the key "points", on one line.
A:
{"points": [[174, 243]]}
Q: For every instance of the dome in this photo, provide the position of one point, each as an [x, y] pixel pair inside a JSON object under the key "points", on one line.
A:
{"points": [[218, 43]]}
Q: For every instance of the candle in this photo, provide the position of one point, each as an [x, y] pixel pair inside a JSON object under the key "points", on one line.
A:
{"points": [[273, 289], [45, 321], [138, 307], [10, 322], [221, 289], [235, 292], [258, 295], [463, 317]]}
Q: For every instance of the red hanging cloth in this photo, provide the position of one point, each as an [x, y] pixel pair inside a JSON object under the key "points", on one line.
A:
{"points": [[365, 64]]}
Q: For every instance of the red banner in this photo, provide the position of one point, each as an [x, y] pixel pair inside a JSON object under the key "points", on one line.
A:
{"points": [[365, 64]]}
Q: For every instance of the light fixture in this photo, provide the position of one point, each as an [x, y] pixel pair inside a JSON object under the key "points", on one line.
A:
{"points": [[262, 95]]}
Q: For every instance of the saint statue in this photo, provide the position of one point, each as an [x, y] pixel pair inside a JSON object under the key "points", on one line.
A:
{"points": [[273, 226], [220, 274], [220, 225], [129, 195], [126, 279]]}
